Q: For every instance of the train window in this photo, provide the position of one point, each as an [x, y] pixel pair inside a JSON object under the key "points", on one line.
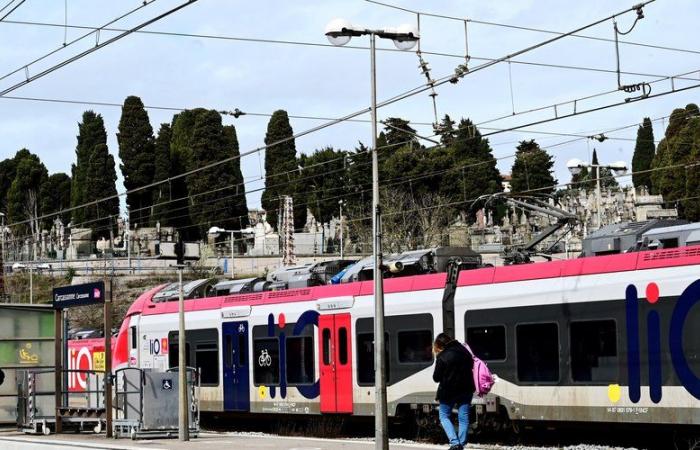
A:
{"points": [[174, 354], [343, 345], [594, 351], [365, 358], [488, 342], [242, 349], [266, 362], [537, 347], [415, 346], [206, 357], [133, 337], [228, 351], [300, 360], [326, 338]]}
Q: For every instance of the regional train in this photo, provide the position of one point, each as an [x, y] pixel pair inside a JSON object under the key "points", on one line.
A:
{"points": [[604, 339]]}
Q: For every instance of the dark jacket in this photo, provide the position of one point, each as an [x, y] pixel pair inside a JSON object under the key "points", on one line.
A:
{"points": [[453, 370]]}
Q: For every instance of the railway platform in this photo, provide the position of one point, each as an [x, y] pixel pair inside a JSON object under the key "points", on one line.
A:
{"points": [[12, 440]]}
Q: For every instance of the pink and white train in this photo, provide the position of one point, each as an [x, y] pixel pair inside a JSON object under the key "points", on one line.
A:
{"points": [[606, 339]]}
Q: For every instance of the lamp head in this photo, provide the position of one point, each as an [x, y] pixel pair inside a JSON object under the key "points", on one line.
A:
{"points": [[619, 167], [339, 31], [575, 166], [215, 230], [406, 37]]}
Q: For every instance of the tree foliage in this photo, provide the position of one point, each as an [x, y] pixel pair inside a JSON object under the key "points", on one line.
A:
{"points": [[532, 170], [162, 171], [607, 180], [643, 156], [91, 132], [237, 192], [101, 183], [137, 154], [209, 144], [55, 196], [281, 170], [23, 203], [325, 177]]}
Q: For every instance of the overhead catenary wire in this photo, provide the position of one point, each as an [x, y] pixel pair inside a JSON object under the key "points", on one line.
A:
{"points": [[419, 89], [532, 29], [98, 46], [10, 11], [322, 45], [78, 39]]}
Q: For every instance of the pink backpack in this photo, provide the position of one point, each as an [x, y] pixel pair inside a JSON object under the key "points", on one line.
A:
{"points": [[483, 379]]}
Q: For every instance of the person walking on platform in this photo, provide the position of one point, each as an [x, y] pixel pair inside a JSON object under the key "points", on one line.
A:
{"points": [[453, 372]]}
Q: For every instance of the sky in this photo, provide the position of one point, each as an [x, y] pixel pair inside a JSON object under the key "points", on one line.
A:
{"points": [[326, 81]]}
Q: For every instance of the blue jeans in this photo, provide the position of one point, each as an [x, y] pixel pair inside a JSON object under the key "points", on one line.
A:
{"points": [[462, 417]]}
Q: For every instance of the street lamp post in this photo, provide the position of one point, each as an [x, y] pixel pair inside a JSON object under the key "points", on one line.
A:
{"points": [[575, 166], [215, 231], [405, 37]]}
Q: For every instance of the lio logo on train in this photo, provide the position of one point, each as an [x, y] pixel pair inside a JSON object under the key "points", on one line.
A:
{"points": [[678, 323]]}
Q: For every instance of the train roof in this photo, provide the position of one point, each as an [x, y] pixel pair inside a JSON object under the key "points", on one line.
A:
{"points": [[652, 259]]}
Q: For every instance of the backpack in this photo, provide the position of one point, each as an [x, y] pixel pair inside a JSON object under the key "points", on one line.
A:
{"points": [[483, 379]]}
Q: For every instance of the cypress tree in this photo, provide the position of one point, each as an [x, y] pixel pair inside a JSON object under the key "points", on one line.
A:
{"points": [[644, 150], [8, 168], [281, 170], [238, 200], [532, 170], [101, 183], [180, 162], [55, 196], [673, 149], [161, 193], [137, 154], [210, 144], [447, 131], [23, 201], [91, 132]]}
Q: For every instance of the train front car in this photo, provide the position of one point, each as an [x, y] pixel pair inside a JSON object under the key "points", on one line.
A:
{"points": [[600, 339]]}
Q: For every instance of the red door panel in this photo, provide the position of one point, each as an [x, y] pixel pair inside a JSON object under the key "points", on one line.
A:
{"points": [[343, 372], [326, 330], [335, 353]]}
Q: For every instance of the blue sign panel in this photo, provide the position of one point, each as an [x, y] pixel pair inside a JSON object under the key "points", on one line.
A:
{"points": [[79, 295]]}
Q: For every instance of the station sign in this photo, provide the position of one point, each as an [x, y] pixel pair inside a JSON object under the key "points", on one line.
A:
{"points": [[79, 295]]}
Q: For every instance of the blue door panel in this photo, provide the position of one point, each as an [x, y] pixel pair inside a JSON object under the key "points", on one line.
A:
{"points": [[236, 366]]}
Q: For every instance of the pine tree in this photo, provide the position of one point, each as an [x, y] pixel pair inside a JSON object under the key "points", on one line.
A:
{"points": [[281, 170], [23, 203], [210, 144], [137, 154], [399, 133], [324, 173], [691, 199], [643, 156], [161, 192], [447, 131], [101, 183], [532, 170], [55, 196], [91, 132]]}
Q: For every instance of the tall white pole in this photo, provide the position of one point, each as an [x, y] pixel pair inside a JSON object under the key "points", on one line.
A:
{"points": [[597, 194], [380, 407], [31, 276], [184, 431]]}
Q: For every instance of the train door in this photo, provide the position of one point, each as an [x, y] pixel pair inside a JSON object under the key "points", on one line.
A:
{"points": [[236, 366], [335, 342]]}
